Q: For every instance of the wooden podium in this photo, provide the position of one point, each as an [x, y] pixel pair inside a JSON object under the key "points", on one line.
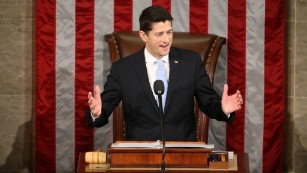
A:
{"points": [[148, 159], [181, 154], [151, 157], [238, 165]]}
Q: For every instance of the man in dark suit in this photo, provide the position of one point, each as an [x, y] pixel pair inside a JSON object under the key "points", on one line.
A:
{"points": [[131, 81]]}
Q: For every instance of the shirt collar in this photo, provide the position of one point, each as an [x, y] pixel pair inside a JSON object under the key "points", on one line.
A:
{"points": [[150, 60]]}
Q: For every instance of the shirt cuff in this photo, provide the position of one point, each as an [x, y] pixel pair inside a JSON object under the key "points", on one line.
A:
{"points": [[94, 118], [227, 114]]}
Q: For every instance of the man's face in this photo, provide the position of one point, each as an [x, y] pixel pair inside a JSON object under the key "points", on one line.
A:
{"points": [[159, 40]]}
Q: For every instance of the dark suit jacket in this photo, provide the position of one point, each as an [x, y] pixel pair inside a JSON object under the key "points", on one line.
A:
{"points": [[128, 82]]}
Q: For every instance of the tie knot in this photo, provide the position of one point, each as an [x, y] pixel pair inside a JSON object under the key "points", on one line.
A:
{"points": [[159, 62]]}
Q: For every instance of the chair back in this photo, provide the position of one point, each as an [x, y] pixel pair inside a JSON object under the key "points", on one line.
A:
{"points": [[122, 44]]}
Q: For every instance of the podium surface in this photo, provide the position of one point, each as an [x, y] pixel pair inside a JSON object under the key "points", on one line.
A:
{"points": [[239, 164]]}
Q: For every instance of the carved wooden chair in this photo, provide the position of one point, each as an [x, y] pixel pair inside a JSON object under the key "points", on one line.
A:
{"points": [[122, 44]]}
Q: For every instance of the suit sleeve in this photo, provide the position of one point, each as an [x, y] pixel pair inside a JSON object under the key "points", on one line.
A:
{"points": [[207, 98]]}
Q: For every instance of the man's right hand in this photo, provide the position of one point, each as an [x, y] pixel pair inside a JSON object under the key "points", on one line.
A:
{"points": [[95, 102]]}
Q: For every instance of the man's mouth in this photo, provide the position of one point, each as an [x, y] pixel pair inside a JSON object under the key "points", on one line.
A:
{"points": [[164, 46]]}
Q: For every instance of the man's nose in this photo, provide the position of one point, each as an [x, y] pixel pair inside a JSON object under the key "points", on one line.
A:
{"points": [[165, 38]]}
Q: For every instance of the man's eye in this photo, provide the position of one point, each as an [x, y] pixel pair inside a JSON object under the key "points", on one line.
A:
{"points": [[158, 34]]}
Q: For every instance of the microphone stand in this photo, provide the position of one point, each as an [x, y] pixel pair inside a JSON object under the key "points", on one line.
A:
{"points": [[162, 132]]}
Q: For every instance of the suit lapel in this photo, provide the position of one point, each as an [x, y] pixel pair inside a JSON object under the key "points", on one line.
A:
{"points": [[174, 69], [141, 72]]}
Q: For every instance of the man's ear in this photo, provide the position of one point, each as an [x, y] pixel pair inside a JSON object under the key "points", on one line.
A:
{"points": [[143, 36]]}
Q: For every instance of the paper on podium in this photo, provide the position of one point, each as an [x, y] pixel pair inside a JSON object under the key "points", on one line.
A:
{"points": [[158, 144], [136, 144], [188, 145]]}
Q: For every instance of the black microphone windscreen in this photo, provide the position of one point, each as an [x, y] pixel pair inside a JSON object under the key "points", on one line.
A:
{"points": [[159, 87]]}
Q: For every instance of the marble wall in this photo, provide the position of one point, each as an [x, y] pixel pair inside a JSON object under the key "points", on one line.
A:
{"points": [[295, 136], [17, 70]]}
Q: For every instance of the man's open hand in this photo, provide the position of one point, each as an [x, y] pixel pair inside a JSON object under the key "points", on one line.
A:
{"points": [[95, 102], [231, 103]]}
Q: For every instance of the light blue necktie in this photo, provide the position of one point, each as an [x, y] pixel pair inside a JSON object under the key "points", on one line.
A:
{"points": [[162, 75]]}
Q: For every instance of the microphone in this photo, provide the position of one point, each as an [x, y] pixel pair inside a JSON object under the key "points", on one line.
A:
{"points": [[159, 87], [159, 90]]}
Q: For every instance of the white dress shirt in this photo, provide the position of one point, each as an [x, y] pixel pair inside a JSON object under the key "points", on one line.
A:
{"points": [[152, 68]]}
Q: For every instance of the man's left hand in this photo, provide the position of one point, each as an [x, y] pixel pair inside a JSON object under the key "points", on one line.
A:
{"points": [[231, 103]]}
